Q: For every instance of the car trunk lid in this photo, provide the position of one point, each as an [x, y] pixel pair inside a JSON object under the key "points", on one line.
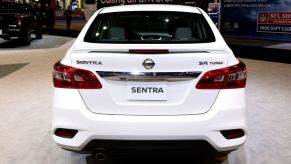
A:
{"points": [[168, 88]]}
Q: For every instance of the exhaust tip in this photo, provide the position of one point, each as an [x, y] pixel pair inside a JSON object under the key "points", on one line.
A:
{"points": [[101, 156]]}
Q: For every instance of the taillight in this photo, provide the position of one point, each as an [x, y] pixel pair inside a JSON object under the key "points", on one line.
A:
{"points": [[225, 78], [69, 77], [66, 133], [19, 20], [232, 134], [145, 51]]}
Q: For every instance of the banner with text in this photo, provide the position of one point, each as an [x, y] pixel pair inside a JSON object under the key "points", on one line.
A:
{"points": [[256, 19], [106, 3]]}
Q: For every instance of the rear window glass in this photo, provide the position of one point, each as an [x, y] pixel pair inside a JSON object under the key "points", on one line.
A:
{"points": [[149, 27]]}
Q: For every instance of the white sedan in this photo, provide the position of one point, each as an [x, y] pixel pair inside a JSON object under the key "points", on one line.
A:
{"points": [[149, 79]]}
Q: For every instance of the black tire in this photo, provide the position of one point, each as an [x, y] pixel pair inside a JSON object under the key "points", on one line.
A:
{"points": [[38, 33], [26, 38], [6, 37]]}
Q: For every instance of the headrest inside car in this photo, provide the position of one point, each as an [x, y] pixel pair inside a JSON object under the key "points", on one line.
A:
{"points": [[183, 33], [116, 33]]}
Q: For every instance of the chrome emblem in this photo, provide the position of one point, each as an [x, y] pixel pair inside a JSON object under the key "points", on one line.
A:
{"points": [[148, 64]]}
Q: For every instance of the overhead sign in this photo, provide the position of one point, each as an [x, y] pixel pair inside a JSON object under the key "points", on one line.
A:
{"points": [[257, 19], [106, 3], [274, 22]]}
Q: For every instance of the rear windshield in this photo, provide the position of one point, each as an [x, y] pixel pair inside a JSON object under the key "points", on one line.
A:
{"points": [[149, 27]]}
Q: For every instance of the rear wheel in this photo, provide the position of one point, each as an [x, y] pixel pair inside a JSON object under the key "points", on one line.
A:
{"points": [[26, 38], [6, 37], [38, 33]]}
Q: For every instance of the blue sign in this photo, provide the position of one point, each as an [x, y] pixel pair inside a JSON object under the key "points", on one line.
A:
{"points": [[256, 19]]}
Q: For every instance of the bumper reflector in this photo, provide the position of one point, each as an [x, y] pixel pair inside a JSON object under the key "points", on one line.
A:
{"points": [[66, 133], [232, 134]]}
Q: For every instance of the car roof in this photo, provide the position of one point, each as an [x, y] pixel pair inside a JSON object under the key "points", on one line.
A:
{"points": [[151, 7]]}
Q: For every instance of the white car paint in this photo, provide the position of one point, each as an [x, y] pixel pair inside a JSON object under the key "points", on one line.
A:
{"points": [[186, 114]]}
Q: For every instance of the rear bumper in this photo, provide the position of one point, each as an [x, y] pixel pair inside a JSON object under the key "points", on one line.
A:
{"points": [[95, 130], [143, 147], [11, 33]]}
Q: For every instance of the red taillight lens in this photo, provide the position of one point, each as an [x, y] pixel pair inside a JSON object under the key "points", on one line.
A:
{"points": [[226, 78], [161, 51], [69, 77], [66, 133], [232, 134], [19, 20]]}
